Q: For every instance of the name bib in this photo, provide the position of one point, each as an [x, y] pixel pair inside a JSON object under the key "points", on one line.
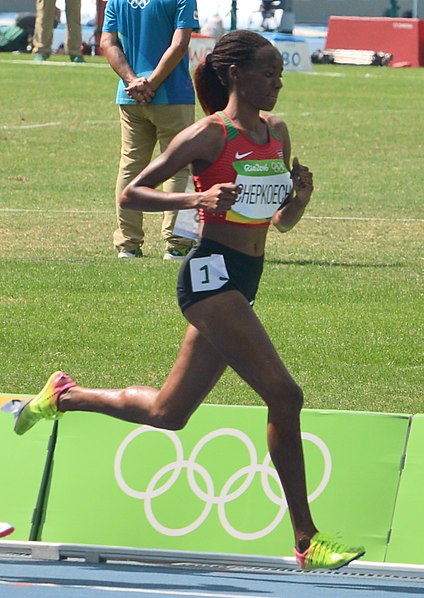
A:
{"points": [[264, 184]]}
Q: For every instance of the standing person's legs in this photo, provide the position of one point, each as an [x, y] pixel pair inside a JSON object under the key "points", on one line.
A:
{"points": [[43, 30], [138, 139], [170, 119], [73, 23]]}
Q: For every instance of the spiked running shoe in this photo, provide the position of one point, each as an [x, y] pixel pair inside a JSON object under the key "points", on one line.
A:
{"points": [[44, 405], [325, 552], [5, 529]]}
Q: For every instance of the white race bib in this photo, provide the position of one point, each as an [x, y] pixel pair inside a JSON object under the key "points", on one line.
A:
{"points": [[265, 184], [208, 273]]}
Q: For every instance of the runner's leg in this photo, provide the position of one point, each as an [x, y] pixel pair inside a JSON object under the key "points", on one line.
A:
{"points": [[223, 329], [195, 372], [239, 336]]}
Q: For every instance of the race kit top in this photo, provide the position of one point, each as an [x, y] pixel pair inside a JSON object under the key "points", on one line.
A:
{"points": [[258, 169]]}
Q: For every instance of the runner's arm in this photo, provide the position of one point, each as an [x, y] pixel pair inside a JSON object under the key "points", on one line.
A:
{"points": [[202, 142]]}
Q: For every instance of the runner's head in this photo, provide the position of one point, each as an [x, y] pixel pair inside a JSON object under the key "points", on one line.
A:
{"points": [[213, 76]]}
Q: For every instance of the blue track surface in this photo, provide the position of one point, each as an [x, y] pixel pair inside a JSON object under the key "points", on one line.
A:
{"points": [[28, 578]]}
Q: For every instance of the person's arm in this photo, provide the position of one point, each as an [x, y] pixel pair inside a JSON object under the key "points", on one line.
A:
{"points": [[203, 142], [111, 48], [169, 60], [171, 57], [293, 208]]}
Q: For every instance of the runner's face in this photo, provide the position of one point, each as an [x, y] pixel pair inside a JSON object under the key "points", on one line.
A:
{"points": [[260, 83]]}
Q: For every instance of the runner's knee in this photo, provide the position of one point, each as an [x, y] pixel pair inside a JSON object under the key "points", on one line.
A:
{"points": [[296, 397], [287, 399]]}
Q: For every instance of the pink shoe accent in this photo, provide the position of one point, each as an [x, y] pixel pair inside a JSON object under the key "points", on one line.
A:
{"points": [[301, 557], [62, 383]]}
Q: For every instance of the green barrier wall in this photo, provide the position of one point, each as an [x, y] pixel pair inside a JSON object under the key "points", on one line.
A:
{"points": [[22, 465], [211, 486], [407, 539]]}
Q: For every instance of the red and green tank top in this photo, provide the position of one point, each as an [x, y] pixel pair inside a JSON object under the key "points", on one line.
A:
{"points": [[260, 171]]}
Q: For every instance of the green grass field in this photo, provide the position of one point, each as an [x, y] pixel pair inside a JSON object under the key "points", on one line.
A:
{"points": [[342, 294]]}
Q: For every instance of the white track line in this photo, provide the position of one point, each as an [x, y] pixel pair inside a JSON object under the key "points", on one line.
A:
{"points": [[331, 218], [35, 126], [41, 212], [55, 124], [48, 63], [363, 218], [145, 592]]}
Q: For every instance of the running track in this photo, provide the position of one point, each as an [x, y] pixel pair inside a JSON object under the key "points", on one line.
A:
{"points": [[25, 576]]}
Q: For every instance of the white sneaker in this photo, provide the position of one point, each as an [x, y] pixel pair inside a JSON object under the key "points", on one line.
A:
{"points": [[176, 254], [133, 253]]}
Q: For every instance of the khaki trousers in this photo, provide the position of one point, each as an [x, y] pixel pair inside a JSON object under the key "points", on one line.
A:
{"points": [[44, 24], [141, 128]]}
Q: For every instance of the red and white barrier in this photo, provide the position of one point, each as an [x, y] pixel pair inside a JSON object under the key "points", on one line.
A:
{"points": [[404, 38], [200, 46]]}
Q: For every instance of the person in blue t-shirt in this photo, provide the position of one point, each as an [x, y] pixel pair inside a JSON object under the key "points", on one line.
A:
{"points": [[146, 43]]}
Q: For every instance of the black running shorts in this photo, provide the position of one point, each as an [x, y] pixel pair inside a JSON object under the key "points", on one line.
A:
{"points": [[211, 268]]}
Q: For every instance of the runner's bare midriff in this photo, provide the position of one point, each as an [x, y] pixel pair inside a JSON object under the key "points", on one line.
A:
{"points": [[250, 241]]}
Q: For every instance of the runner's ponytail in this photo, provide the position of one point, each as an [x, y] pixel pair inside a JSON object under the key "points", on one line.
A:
{"points": [[211, 92], [237, 48]]}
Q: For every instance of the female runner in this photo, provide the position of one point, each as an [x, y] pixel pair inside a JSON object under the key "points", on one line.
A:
{"points": [[240, 160]]}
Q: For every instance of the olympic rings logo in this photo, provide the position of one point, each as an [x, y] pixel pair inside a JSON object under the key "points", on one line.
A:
{"points": [[138, 3], [278, 167], [230, 490]]}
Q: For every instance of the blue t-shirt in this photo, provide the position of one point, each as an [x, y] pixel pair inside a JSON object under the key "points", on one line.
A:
{"points": [[145, 29]]}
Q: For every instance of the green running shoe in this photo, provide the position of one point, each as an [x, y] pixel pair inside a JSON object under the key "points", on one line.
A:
{"points": [[44, 405], [326, 552]]}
